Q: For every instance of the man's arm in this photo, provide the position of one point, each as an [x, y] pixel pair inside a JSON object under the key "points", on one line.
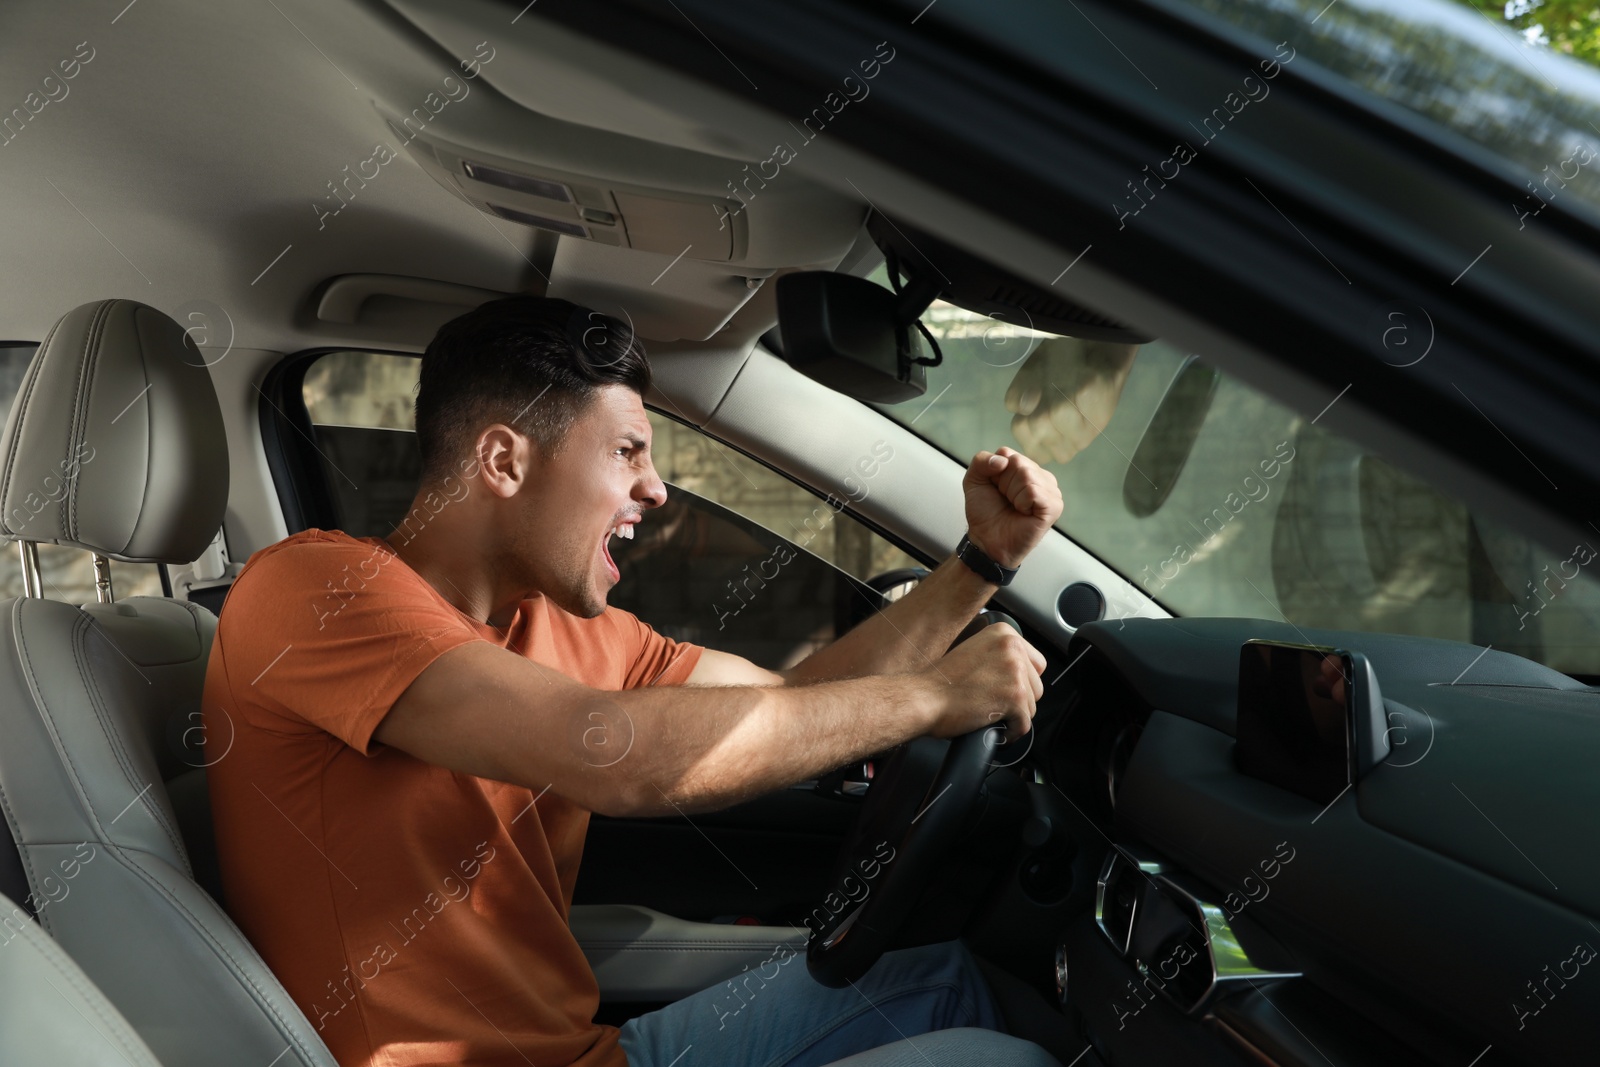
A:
{"points": [[482, 710], [1010, 502], [907, 635]]}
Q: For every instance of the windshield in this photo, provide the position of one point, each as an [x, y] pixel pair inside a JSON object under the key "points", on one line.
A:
{"points": [[1216, 500], [1515, 78]]}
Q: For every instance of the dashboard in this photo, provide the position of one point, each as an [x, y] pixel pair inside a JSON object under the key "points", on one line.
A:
{"points": [[1442, 906]]}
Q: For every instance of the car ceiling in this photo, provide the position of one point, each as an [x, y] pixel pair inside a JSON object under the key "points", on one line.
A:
{"points": [[186, 160], [191, 149]]}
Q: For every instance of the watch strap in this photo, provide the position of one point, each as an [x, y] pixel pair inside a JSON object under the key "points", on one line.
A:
{"points": [[979, 561]]}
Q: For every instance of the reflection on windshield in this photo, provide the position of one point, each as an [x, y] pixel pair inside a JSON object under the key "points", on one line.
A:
{"points": [[1217, 500], [1496, 74]]}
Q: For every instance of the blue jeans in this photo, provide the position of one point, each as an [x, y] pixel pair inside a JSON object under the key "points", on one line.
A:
{"points": [[777, 1015]]}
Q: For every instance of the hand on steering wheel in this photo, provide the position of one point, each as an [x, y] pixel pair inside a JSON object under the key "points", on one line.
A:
{"points": [[918, 801], [995, 676]]}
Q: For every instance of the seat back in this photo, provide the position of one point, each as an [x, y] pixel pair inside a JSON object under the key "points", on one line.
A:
{"points": [[115, 445], [50, 1013]]}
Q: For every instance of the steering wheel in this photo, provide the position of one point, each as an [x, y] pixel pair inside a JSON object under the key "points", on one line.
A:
{"points": [[914, 810]]}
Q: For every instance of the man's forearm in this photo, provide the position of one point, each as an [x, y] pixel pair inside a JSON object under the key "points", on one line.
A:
{"points": [[485, 711], [909, 634], [725, 745]]}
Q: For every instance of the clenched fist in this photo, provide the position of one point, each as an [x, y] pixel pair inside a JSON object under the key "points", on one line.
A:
{"points": [[1011, 502]]}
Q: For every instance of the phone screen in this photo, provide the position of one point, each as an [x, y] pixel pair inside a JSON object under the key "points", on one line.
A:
{"points": [[1293, 727]]}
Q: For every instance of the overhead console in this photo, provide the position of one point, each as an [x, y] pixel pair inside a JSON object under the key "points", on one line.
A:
{"points": [[674, 265], [669, 225], [585, 206]]}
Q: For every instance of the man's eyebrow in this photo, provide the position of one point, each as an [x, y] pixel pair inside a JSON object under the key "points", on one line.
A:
{"points": [[633, 439]]}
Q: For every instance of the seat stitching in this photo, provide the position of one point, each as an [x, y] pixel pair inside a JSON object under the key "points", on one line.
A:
{"points": [[67, 516], [15, 824], [48, 719], [50, 725], [113, 737], [189, 605], [265, 999], [149, 447]]}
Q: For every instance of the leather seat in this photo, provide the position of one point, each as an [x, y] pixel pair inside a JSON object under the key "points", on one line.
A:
{"points": [[46, 1000], [115, 445]]}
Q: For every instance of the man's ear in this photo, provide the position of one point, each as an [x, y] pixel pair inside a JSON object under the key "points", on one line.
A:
{"points": [[506, 459]]}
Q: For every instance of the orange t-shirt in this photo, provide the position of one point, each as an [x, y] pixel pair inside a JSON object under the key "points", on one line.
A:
{"points": [[416, 915]]}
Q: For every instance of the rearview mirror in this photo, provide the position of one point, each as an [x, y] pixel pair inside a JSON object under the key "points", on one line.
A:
{"points": [[1170, 437], [848, 334]]}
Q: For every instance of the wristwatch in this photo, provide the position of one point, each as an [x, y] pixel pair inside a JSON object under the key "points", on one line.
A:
{"points": [[974, 557]]}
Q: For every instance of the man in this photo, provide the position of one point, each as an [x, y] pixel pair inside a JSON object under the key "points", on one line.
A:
{"points": [[422, 723]]}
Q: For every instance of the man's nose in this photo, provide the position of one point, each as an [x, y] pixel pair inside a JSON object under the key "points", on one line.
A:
{"points": [[654, 490]]}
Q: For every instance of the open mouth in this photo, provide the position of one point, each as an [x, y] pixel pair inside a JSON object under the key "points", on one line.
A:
{"points": [[623, 530]]}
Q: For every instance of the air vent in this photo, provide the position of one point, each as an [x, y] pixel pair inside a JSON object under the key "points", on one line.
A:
{"points": [[1117, 894]]}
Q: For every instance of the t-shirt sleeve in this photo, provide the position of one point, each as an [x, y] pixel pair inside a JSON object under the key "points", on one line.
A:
{"points": [[327, 636], [653, 658]]}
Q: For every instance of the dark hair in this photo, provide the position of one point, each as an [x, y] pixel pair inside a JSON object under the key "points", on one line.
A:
{"points": [[531, 362]]}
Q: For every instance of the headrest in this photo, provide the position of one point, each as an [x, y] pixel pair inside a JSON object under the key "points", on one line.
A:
{"points": [[115, 440]]}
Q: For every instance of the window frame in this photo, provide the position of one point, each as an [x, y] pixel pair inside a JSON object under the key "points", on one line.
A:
{"points": [[286, 438]]}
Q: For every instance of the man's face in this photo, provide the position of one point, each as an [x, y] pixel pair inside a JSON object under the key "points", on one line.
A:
{"points": [[602, 478]]}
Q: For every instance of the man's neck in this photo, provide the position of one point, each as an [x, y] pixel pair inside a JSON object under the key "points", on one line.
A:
{"points": [[450, 564]]}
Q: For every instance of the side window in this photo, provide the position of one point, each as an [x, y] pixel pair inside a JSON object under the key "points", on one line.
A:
{"points": [[67, 573], [744, 560], [739, 558], [360, 406]]}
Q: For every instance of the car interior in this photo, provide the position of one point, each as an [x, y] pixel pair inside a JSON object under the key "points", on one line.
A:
{"points": [[1311, 779]]}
